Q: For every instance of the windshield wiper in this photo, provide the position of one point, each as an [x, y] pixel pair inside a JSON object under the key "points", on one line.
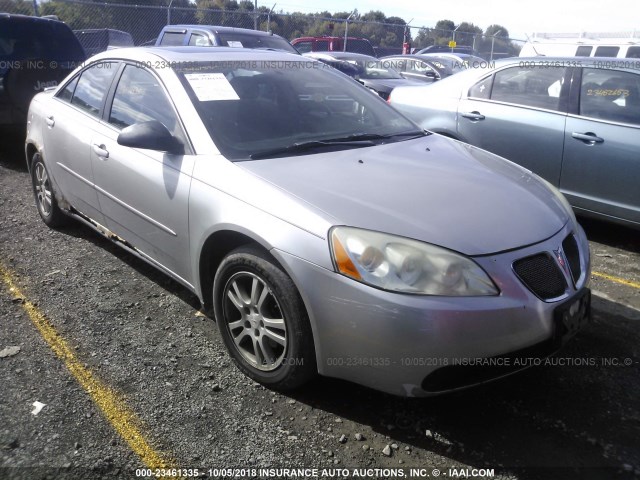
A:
{"points": [[380, 136], [356, 140], [313, 144]]}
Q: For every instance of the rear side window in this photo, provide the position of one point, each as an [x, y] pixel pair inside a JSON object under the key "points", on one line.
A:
{"points": [[531, 87], [607, 51], [322, 46], [610, 95], [583, 51], [92, 87], [67, 92], [172, 38], [303, 47], [199, 40]]}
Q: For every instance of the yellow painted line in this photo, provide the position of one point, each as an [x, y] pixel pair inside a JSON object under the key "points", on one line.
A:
{"points": [[619, 280], [112, 405]]}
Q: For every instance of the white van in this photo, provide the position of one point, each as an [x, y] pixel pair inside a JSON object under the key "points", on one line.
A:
{"points": [[623, 45]]}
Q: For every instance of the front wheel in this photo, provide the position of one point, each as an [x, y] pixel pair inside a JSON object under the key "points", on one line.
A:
{"points": [[43, 193], [263, 321]]}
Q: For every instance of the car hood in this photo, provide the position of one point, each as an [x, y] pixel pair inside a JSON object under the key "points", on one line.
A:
{"points": [[432, 189]]}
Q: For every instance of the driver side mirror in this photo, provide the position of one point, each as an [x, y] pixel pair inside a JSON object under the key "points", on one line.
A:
{"points": [[151, 135]]}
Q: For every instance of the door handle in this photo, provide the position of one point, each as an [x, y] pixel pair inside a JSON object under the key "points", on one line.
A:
{"points": [[474, 116], [50, 121], [101, 151], [588, 138]]}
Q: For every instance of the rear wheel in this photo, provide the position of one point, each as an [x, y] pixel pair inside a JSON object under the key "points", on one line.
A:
{"points": [[43, 193], [262, 320]]}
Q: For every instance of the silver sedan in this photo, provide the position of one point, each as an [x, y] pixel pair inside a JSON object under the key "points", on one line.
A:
{"points": [[325, 231]]}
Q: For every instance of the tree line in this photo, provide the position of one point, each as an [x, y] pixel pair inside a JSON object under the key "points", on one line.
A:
{"points": [[144, 22]]}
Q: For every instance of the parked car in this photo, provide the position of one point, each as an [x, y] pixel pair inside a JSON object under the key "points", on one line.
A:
{"points": [[460, 60], [35, 53], [446, 49], [217, 36], [421, 68], [333, 44], [96, 40], [574, 122], [369, 71], [327, 232], [582, 45]]}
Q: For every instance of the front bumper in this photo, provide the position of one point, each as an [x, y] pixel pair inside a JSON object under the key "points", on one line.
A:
{"points": [[395, 342]]}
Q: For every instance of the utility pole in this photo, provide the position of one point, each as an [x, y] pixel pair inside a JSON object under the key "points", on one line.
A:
{"points": [[169, 13], [493, 41], [255, 16], [346, 30]]}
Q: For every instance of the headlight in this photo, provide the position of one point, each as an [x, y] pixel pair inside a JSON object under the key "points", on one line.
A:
{"points": [[403, 265]]}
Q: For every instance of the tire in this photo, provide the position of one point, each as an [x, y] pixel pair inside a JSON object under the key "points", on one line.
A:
{"points": [[44, 196], [263, 321]]}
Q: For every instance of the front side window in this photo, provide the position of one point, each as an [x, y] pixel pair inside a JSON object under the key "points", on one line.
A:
{"points": [[139, 98], [482, 89], [92, 87], [529, 86], [610, 95]]}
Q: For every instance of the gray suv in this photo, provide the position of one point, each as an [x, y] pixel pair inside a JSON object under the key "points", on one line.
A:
{"points": [[216, 36]]}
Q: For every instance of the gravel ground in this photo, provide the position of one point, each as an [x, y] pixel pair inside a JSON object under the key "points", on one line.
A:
{"points": [[142, 334]]}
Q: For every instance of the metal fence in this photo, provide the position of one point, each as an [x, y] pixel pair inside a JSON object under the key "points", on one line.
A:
{"points": [[144, 22]]}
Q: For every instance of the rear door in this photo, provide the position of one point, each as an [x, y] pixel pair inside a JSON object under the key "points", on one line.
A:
{"points": [[519, 113], [601, 167], [72, 120]]}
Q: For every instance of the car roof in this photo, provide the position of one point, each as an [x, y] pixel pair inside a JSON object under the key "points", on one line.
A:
{"points": [[197, 54], [221, 29], [340, 56], [628, 64], [26, 18]]}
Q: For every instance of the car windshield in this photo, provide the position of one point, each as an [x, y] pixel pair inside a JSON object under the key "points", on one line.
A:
{"points": [[373, 70], [254, 107], [242, 40]]}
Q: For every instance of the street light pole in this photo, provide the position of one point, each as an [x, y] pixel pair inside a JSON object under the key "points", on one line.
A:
{"points": [[168, 13], [454, 35], [346, 30], [269, 18], [493, 41]]}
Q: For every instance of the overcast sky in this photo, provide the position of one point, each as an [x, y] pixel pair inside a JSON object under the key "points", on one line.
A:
{"points": [[517, 16]]}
